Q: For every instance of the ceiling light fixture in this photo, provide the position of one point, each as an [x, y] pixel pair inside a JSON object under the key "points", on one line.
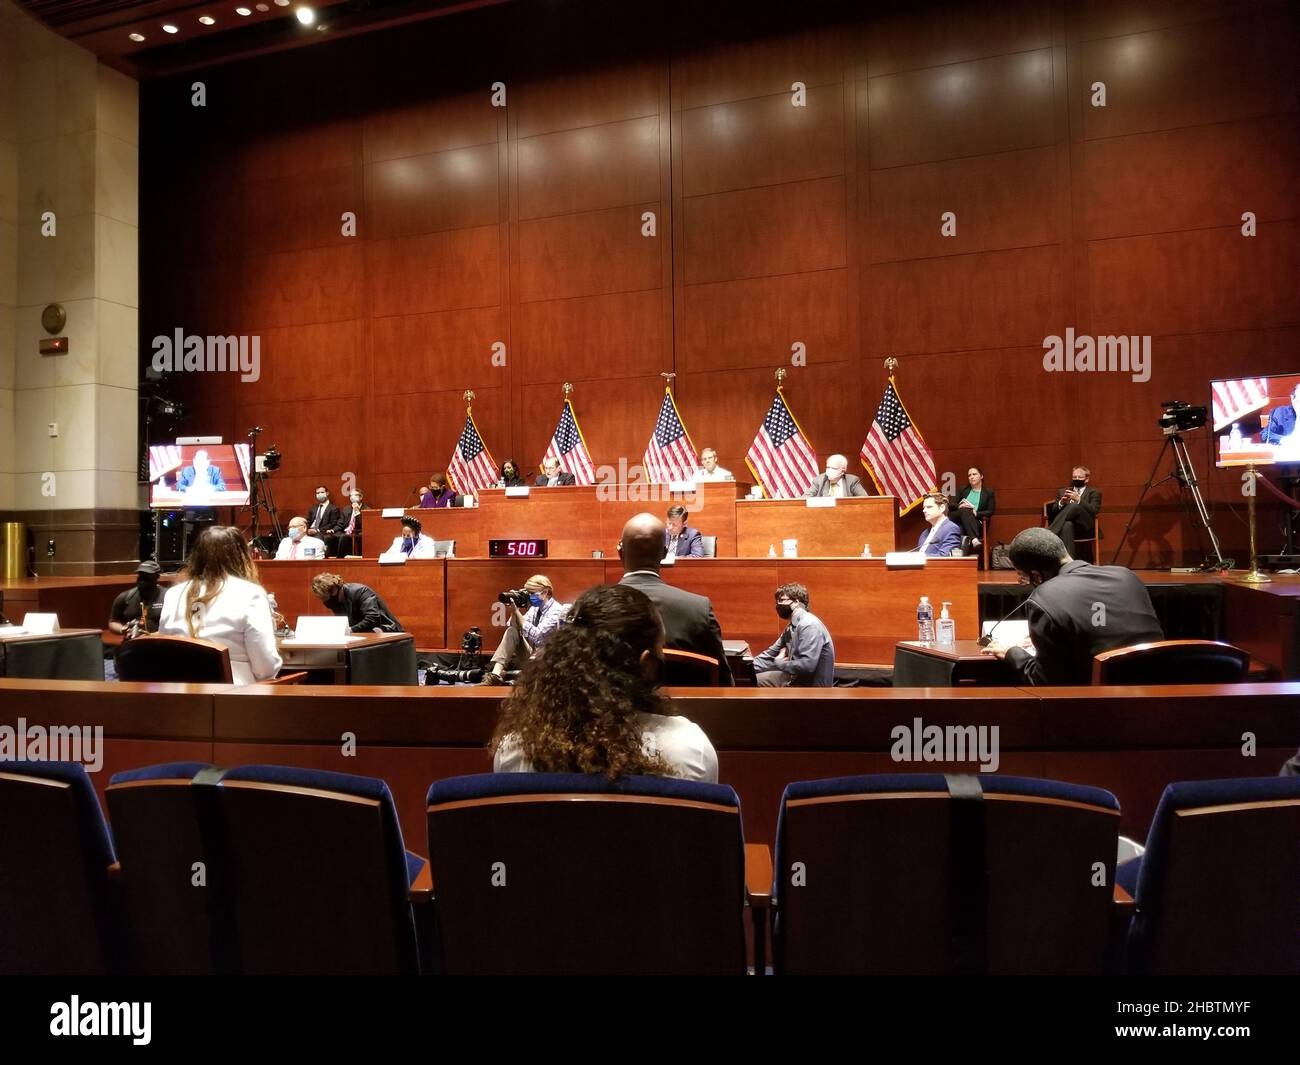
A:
{"points": [[136, 36], [207, 20], [169, 28], [245, 11], [306, 15]]}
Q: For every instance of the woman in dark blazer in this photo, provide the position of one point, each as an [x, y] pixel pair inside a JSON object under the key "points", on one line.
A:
{"points": [[973, 504]]}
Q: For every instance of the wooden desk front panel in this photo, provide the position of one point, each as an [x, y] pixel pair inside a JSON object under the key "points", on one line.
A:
{"points": [[567, 518], [415, 592], [838, 531]]}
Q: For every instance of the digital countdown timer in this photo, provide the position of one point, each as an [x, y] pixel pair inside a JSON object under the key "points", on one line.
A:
{"points": [[516, 549]]}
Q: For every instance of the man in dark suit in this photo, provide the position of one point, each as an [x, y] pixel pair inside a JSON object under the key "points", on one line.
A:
{"points": [[323, 518], [689, 623], [1074, 514], [552, 475], [1076, 611], [835, 482], [365, 610], [348, 540], [679, 538]]}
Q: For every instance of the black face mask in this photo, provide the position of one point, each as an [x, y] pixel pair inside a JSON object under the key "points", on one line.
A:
{"points": [[784, 611], [1076, 483], [146, 588]]}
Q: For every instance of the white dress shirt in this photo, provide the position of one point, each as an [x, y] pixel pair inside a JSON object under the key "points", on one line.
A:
{"points": [[718, 474], [679, 741], [239, 617], [424, 547], [288, 545]]}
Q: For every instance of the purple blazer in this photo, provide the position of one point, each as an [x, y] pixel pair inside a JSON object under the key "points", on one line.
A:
{"points": [[445, 498]]}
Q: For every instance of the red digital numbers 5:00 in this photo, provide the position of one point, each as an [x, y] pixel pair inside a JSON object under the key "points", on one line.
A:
{"points": [[517, 548]]}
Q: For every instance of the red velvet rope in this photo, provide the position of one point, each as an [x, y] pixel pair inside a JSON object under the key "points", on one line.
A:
{"points": [[1294, 504]]}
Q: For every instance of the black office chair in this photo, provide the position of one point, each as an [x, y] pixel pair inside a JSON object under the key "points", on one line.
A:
{"points": [[687, 669], [1172, 662]]}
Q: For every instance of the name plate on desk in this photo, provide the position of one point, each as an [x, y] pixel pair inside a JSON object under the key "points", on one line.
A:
{"points": [[393, 512], [41, 624], [904, 559], [681, 486], [518, 492], [393, 558], [821, 501]]}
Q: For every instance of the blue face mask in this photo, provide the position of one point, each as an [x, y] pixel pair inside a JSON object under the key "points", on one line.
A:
{"points": [[534, 599]]}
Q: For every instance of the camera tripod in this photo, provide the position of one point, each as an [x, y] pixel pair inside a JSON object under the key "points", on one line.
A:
{"points": [[260, 495], [1185, 476]]}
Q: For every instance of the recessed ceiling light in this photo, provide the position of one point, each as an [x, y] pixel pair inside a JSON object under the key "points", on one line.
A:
{"points": [[169, 28], [245, 11], [281, 3], [136, 36], [306, 15], [263, 7], [207, 20]]}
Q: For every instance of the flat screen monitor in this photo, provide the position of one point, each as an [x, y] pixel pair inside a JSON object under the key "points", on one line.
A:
{"points": [[198, 475], [1257, 420]]}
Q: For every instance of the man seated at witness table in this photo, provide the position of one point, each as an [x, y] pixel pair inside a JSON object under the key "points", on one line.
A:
{"points": [[592, 703], [438, 493], [218, 598], [527, 631], [552, 476], [942, 537], [297, 544], [973, 504], [201, 476], [413, 543], [359, 603], [689, 622], [1076, 611], [709, 469], [835, 482], [511, 476], [348, 540], [1074, 514], [680, 540], [804, 655], [143, 598], [323, 518]]}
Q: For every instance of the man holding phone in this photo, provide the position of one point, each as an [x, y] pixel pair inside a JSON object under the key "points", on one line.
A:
{"points": [[1074, 514]]}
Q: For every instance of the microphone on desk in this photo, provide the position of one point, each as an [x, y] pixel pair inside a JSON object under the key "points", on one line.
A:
{"points": [[987, 638]]}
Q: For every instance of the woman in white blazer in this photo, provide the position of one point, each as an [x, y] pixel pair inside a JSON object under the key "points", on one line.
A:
{"points": [[218, 599]]}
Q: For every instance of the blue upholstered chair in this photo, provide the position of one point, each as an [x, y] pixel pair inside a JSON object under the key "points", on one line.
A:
{"points": [[1218, 889], [169, 917], [55, 857], [897, 874], [567, 873], [305, 870]]}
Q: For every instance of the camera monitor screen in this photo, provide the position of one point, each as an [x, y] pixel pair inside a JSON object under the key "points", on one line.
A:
{"points": [[198, 475], [1257, 420]]}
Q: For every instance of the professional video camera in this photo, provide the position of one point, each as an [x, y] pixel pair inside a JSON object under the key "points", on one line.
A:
{"points": [[1179, 417], [518, 596], [468, 669]]}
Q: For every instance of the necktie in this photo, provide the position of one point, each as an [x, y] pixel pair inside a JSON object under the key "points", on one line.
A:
{"points": [[351, 524], [293, 551]]}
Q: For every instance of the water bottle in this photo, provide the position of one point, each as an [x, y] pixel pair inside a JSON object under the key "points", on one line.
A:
{"points": [[925, 621], [1234, 439], [771, 551]]}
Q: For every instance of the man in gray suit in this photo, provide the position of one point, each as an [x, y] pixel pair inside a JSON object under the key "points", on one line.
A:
{"points": [[689, 622], [835, 482], [1075, 611]]}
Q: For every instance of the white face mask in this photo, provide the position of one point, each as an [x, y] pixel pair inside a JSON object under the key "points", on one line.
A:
{"points": [[321, 496], [356, 501]]}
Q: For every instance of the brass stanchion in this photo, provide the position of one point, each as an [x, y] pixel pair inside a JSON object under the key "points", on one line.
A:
{"points": [[1253, 575]]}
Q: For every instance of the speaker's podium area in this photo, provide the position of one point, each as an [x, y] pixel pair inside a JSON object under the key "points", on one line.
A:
{"points": [[567, 488]]}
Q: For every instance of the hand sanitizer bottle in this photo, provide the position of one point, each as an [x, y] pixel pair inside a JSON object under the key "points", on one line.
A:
{"points": [[924, 621], [947, 628], [771, 551]]}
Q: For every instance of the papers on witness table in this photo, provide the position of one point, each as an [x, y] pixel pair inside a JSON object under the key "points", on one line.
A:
{"points": [[1010, 633], [321, 630]]}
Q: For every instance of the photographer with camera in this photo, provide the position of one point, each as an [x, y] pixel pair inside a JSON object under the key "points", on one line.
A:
{"points": [[525, 632]]}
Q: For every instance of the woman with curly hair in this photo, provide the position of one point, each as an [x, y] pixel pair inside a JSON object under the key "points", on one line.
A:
{"points": [[590, 701]]}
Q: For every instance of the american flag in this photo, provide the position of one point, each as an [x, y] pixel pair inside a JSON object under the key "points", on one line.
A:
{"points": [[471, 466], [1232, 399], [670, 455], [568, 446], [780, 457], [896, 456]]}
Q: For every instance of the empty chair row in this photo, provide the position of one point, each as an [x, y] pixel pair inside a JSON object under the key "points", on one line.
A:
{"points": [[267, 869]]}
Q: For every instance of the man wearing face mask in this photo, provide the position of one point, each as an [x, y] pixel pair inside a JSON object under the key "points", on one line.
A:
{"points": [[1075, 611], [323, 518], [1075, 511], [348, 541], [365, 610], [145, 596], [835, 481], [298, 544], [804, 655], [527, 630]]}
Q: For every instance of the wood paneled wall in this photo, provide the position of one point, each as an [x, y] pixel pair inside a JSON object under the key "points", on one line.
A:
{"points": [[776, 224]]}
